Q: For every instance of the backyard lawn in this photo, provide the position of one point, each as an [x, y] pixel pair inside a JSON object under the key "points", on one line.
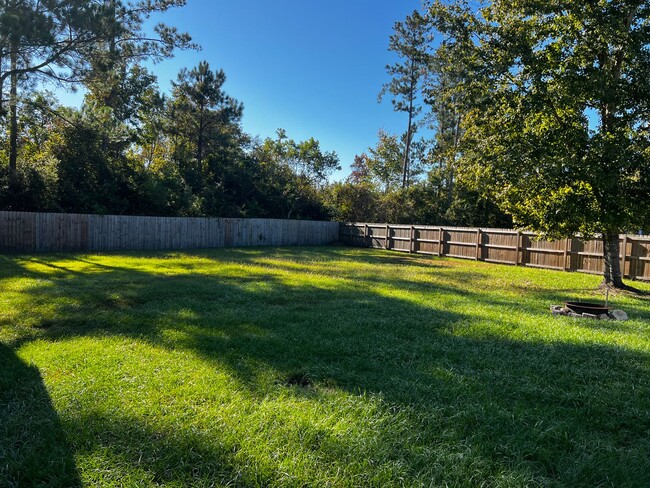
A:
{"points": [[314, 366]]}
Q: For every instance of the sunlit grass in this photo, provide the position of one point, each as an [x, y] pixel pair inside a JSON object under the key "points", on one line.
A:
{"points": [[321, 366]]}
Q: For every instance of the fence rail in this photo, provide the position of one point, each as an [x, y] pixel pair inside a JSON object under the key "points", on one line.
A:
{"points": [[50, 232], [503, 246]]}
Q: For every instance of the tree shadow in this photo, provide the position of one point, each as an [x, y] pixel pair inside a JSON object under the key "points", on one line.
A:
{"points": [[150, 455], [542, 412], [34, 450], [342, 253]]}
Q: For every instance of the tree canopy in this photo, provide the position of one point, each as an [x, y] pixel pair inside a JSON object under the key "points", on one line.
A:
{"points": [[556, 121]]}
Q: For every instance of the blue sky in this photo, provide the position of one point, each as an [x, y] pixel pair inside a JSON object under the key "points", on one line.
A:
{"points": [[311, 67]]}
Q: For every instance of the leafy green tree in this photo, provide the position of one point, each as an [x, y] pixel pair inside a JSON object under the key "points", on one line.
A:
{"points": [[128, 93], [385, 161], [32, 185], [152, 143], [305, 158], [352, 202], [557, 114], [410, 41], [295, 174], [20, 25], [61, 39], [413, 205], [443, 95], [94, 173]]}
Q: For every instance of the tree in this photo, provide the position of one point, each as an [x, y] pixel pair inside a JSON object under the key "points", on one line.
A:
{"points": [[352, 202], [63, 40], [308, 160], [152, 143], [360, 172], [20, 25], [298, 171], [409, 41], [557, 112], [305, 158], [202, 112], [32, 185], [444, 96], [58, 39], [385, 161]]}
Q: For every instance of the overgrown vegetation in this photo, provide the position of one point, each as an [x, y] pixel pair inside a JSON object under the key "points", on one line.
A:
{"points": [[324, 366]]}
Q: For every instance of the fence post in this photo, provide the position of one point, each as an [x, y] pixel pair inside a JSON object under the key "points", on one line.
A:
{"points": [[441, 241], [387, 241], [412, 240], [478, 244], [365, 235], [566, 252], [518, 247], [634, 261], [624, 255]]}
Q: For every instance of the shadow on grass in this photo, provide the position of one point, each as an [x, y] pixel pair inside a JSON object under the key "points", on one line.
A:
{"points": [[34, 450], [577, 414], [156, 457]]}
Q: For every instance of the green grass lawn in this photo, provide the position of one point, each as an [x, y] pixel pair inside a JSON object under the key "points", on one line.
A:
{"points": [[314, 366]]}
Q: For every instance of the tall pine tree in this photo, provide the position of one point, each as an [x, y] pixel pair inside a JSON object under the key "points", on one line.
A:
{"points": [[410, 41]]}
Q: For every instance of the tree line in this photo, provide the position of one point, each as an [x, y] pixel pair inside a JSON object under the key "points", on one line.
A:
{"points": [[133, 148], [525, 113]]}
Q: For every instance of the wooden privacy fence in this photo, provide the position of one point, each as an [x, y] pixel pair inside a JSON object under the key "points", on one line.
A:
{"points": [[46, 232], [502, 246]]}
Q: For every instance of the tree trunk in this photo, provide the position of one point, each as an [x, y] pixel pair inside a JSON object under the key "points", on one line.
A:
{"points": [[451, 167], [450, 185], [2, 80], [611, 252], [407, 153], [13, 113], [199, 142], [199, 151], [409, 132]]}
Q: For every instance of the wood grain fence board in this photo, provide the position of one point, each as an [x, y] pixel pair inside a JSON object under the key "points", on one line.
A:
{"points": [[518, 249], [642, 254], [14, 239]]}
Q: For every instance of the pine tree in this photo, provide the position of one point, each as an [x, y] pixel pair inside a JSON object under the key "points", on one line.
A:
{"points": [[410, 42]]}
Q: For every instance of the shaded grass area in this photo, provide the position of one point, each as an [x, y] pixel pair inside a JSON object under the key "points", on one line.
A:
{"points": [[319, 366]]}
